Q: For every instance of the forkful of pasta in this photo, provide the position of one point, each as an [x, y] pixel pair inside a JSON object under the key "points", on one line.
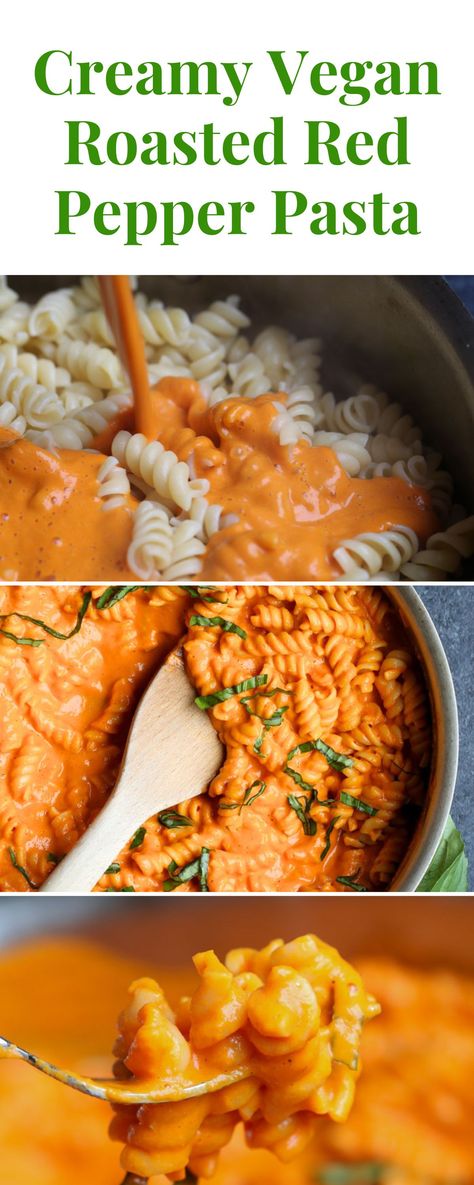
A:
{"points": [[172, 753], [269, 1038]]}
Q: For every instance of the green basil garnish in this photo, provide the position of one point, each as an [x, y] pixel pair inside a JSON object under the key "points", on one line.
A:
{"points": [[358, 803], [86, 600], [124, 889], [257, 745], [229, 627], [301, 806], [351, 884], [266, 694], [218, 697], [138, 838], [272, 721], [328, 837], [194, 591], [21, 641], [53, 859], [293, 773], [172, 819], [336, 760], [179, 876], [364, 1173], [248, 798], [112, 869], [116, 592], [19, 868]]}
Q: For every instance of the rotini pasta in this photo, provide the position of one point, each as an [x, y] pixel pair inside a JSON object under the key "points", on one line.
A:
{"points": [[287, 1020], [411, 1123], [295, 480], [315, 692]]}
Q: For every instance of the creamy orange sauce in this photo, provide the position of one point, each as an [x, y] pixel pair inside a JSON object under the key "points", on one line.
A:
{"points": [[339, 668], [65, 708], [52, 521], [293, 504], [413, 1112]]}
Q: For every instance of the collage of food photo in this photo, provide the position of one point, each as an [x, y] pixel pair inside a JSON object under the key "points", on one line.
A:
{"points": [[236, 604]]}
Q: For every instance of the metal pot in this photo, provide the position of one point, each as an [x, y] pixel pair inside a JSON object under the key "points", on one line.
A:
{"points": [[409, 334], [444, 762]]}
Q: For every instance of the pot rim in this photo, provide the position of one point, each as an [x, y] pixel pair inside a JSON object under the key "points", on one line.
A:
{"points": [[445, 725]]}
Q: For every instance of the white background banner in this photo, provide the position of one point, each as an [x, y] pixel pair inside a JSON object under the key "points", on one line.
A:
{"points": [[437, 179]]}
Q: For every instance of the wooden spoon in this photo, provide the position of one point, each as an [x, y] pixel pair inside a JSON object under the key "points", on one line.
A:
{"points": [[172, 752]]}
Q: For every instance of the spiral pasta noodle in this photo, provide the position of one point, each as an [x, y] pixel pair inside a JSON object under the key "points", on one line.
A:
{"points": [[286, 1019], [315, 691], [60, 371]]}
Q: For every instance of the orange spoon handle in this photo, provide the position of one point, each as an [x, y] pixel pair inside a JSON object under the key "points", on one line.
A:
{"points": [[119, 308]]}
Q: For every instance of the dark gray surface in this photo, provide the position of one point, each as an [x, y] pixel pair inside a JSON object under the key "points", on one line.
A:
{"points": [[464, 286], [452, 611]]}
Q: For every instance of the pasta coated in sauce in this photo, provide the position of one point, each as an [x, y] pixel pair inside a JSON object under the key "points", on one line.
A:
{"points": [[411, 1123], [290, 1016], [347, 488], [316, 693]]}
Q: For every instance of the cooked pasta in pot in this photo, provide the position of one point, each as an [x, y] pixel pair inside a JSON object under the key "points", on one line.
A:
{"points": [[347, 488], [315, 691]]}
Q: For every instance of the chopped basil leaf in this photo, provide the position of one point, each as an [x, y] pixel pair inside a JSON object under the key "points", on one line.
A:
{"points": [[328, 837], [229, 627], [112, 869], [272, 721], [19, 868], [346, 880], [336, 760], [363, 1173], [293, 773], [138, 839], [218, 697], [124, 889], [248, 797], [257, 745], [172, 819], [116, 592], [86, 600], [179, 876], [196, 594], [301, 806], [203, 870], [358, 803], [53, 859], [266, 694], [21, 641]]}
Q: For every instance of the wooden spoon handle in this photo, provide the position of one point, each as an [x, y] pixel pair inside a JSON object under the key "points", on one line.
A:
{"points": [[98, 846]]}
